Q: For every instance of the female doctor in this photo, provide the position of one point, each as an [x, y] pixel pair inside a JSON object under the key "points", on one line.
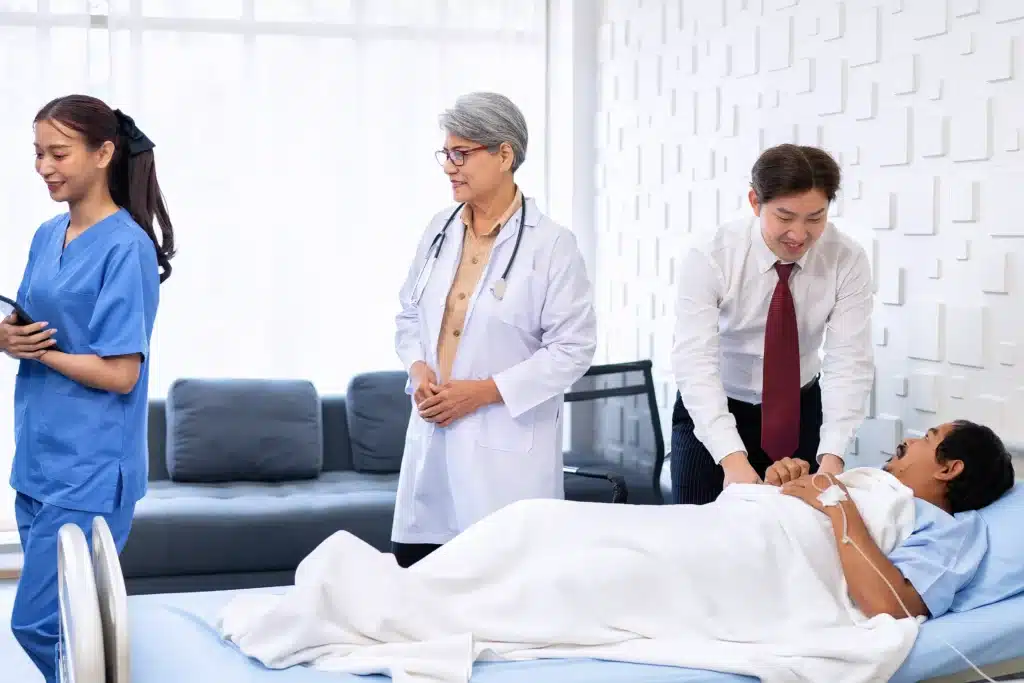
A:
{"points": [[91, 286], [497, 322]]}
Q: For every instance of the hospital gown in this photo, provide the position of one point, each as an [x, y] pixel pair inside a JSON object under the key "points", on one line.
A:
{"points": [[941, 555]]}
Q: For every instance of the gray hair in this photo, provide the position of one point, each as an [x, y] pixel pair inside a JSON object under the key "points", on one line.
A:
{"points": [[489, 119]]}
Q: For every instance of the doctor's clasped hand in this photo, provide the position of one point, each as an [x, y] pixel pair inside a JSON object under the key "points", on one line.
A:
{"points": [[458, 398], [423, 381]]}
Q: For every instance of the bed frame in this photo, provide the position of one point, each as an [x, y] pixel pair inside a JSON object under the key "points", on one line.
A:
{"points": [[80, 645], [93, 601], [113, 599], [1009, 671]]}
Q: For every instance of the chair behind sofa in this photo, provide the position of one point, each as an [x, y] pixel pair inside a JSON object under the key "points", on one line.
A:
{"points": [[627, 435]]}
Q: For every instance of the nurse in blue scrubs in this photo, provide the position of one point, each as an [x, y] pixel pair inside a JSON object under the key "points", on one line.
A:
{"points": [[92, 285]]}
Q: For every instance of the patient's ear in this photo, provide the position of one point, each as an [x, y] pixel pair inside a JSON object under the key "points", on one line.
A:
{"points": [[949, 470]]}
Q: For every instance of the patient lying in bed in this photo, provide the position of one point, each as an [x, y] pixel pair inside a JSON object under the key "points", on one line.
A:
{"points": [[954, 470], [659, 584]]}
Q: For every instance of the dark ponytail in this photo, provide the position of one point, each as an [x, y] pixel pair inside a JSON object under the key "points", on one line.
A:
{"points": [[132, 173]]}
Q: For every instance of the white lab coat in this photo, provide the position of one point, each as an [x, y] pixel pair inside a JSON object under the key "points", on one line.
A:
{"points": [[536, 342]]}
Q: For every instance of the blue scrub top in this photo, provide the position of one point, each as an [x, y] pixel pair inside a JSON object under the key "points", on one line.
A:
{"points": [[942, 554], [76, 447]]}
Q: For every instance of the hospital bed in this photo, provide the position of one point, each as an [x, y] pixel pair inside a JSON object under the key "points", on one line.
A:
{"points": [[107, 637]]}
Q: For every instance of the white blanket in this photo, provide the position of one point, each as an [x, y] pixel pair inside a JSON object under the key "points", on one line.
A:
{"points": [[750, 584]]}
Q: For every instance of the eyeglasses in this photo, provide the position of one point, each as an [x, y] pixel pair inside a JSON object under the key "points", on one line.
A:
{"points": [[456, 156]]}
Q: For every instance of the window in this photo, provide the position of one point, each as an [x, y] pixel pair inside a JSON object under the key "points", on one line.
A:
{"points": [[294, 145]]}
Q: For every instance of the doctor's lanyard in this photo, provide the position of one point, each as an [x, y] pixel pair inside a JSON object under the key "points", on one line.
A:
{"points": [[498, 290]]}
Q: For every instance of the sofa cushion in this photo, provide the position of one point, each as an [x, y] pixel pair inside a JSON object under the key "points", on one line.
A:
{"points": [[378, 413], [243, 430], [244, 527]]}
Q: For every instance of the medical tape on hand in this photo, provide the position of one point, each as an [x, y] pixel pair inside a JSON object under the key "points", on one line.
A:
{"points": [[832, 497]]}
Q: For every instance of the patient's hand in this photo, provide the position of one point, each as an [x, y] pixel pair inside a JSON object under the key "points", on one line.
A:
{"points": [[786, 470], [808, 487]]}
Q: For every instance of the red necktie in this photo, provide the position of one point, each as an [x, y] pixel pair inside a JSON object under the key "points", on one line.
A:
{"points": [[780, 398]]}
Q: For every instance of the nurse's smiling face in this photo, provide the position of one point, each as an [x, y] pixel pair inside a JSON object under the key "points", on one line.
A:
{"points": [[70, 168]]}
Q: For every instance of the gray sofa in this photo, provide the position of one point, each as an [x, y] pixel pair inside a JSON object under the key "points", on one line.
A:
{"points": [[247, 477]]}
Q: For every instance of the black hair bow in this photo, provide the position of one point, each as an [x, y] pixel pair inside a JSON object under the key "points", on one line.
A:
{"points": [[137, 140]]}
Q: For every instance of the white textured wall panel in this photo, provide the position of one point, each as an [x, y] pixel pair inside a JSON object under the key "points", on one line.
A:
{"points": [[964, 8], [920, 100], [923, 18], [965, 336], [972, 130]]}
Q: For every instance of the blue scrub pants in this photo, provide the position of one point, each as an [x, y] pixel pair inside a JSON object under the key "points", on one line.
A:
{"points": [[34, 619]]}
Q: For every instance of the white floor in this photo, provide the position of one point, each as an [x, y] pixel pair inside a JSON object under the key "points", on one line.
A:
{"points": [[14, 665]]}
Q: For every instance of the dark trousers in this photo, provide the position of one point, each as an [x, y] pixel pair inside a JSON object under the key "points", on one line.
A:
{"points": [[408, 554], [697, 479]]}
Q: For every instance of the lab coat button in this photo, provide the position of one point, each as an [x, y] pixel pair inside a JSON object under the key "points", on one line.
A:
{"points": [[462, 296], [457, 333]]}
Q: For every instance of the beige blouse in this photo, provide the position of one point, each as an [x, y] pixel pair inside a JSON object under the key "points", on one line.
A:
{"points": [[476, 252]]}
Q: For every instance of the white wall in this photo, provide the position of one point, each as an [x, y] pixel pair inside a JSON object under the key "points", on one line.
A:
{"points": [[922, 103]]}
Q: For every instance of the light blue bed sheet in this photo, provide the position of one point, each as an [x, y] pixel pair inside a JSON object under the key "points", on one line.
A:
{"points": [[173, 640]]}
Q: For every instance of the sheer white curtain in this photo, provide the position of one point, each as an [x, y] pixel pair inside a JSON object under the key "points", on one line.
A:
{"points": [[294, 144], [43, 53]]}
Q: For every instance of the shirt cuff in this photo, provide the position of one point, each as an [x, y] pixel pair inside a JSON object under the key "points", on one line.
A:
{"points": [[725, 443], [834, 446], [514, 387], [410, 355]]}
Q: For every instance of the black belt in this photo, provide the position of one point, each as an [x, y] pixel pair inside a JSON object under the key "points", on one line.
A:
{"points": [[810, 385]]}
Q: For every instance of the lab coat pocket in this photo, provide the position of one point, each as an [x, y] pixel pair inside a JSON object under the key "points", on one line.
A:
{"points": [[502, 432], [518, 307]]}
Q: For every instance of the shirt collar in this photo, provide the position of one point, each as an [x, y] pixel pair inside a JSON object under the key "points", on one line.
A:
{"points": [[517, 202], [765, 257]]}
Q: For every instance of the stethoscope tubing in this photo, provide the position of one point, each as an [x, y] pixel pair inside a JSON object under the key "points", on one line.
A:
{"points": [[438, 242]]}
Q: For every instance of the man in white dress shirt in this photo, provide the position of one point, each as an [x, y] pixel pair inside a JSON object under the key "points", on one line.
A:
{"points": [[758, 300]]}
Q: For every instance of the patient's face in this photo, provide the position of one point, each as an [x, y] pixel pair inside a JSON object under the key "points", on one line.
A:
{"points": [[916, 465]]}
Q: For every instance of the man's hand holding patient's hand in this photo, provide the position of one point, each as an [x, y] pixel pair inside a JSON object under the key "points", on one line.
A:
{"points": [[785, 470], [831, 464]]}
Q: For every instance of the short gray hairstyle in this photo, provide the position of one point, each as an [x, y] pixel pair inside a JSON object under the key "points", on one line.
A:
{"points": [[489, 119]]}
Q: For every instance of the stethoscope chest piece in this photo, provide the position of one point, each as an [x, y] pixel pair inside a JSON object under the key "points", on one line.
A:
{"points": [[499, 289]]}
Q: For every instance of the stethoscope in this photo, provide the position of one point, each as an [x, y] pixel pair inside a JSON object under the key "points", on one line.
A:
{"points": [[498, 290]]}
